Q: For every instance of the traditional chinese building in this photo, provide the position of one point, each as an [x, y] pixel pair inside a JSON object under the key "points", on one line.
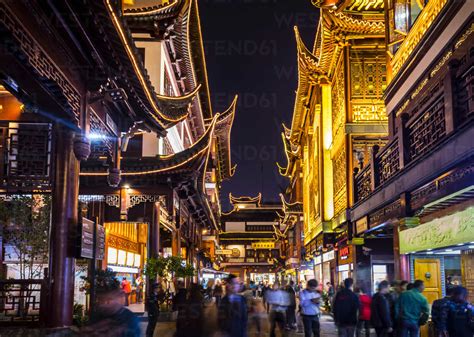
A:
{"points": [[419, 185], [338, 116], [248, 239], [107, 104]]}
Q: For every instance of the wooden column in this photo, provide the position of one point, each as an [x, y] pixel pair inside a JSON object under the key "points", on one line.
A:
{"points": [[176, 243], [374, 168], [63, 229], [154, 233]]}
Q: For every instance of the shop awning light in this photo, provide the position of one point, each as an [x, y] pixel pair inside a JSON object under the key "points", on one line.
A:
{"points": [[471, 247], [449, 250], [429, 253]]}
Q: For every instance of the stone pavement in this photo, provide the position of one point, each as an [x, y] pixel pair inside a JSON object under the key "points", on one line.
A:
{"points": [[167, 329]]}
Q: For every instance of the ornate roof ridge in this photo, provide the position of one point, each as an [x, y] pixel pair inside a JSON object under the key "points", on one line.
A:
{"points": [[223, 131], [245, 199], [291, 152], [159, 108], [158, 9], [169, 163]]}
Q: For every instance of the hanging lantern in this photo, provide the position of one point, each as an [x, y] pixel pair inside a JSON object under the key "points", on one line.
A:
{"points": [[114, 177], [82, 147]]}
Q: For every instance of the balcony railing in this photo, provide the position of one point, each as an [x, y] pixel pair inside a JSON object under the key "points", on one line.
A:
{"points": [[437, 109], [22, 302]]}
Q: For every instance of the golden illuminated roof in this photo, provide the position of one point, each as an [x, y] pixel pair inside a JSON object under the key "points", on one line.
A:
{"points": [[222, 132], [245, 200], [292, 152]]}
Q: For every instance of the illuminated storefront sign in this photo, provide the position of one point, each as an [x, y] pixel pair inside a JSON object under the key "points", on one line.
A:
{"points": [[344, 253], [441, 232], [263, 245], [328, 256]]}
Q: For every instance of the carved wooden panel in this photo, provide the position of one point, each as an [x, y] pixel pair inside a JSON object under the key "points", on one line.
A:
{"points": [[427, 129], [389, 161], [340, 180], [46, 69], [338, 100]]}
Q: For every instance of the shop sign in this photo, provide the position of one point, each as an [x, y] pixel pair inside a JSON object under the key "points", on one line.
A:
{"points": [[341, 236], [263, 245], [318, 260], [344, 255], [442, 232], [87, 240], [361, 225], [323, 240], [292, 260], [223, 252], [328, 256], [357, 241]]}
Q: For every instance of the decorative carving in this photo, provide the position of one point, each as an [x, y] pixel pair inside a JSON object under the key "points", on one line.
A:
{"points": [[369, 112], [21, 301], [427, 129], [112, 200], [386, 213], [368, 75], [123, 244], [338, 100], [46, 69], [340, 180], [29, 156], [102, 146], [136, 199], [389, 161], [91, 198], [363, 183]]}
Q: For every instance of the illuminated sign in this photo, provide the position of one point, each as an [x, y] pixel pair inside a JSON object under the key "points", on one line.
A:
{"points": [[130, 259], [361, 225], [344, 253], [263, 245], [328, 256], [223, 252], [137, 260], [318, 259], [122, 257], [112, 255]]}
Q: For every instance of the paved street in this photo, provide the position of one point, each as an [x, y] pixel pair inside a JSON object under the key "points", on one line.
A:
{"points": [[167, 329]]}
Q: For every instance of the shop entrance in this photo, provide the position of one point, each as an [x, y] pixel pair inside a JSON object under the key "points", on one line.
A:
{"points": [[429, 271]]}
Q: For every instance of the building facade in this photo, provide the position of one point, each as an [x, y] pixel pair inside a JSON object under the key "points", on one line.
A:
{"points": [[248, 245], [339, 115], [419, 185], [106, 108]]}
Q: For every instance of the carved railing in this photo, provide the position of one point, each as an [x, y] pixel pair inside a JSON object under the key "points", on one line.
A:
{"points": [[22, 302], [363, 183], [388, 161]]}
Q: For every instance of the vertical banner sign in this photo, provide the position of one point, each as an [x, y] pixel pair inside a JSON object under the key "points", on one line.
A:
{"points": [[100, 243], [87, 238]]}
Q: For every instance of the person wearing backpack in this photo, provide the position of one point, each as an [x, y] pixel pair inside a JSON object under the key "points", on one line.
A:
{"points": [[412, 310]]}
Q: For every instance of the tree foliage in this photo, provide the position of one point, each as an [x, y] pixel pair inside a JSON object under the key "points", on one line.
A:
{"points": [[25, 222], [168, 267]]}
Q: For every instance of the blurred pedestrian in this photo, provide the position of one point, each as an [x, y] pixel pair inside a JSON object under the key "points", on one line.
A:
{"points": [[412, 310], [194, 312], [345, 309], [439, 314], [127, 289], [380, 317], [266, 288], [460, 314], [111, 318], [139, 288], [364, 313], [218, 291], [153, 308], [310, 309], [232, 314], [279, 300], [291, 310], [179, 305], [330, 291]]}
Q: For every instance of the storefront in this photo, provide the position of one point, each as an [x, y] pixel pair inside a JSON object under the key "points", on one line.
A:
{"points": [[306, 271], [441, 252], [345, 265], [126, 250], [328, 267]]}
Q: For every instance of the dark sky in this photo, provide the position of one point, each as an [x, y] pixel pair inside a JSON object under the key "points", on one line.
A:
{"points": [[251, 51]]}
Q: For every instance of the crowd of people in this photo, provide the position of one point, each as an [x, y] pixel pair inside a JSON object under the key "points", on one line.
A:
{"points": [[397, 310]]}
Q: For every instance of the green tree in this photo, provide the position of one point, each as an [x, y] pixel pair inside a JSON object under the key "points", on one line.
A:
{"points": [[25, 222]]}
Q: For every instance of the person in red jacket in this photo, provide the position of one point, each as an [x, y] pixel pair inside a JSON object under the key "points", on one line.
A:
{"points": [[364, 313]]}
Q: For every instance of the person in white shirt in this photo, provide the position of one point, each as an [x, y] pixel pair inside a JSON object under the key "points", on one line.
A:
{"points": [[309, 303], [279, 300]]}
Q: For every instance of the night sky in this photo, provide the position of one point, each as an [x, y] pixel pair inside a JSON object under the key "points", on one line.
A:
{"points": [[251, 51]]}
